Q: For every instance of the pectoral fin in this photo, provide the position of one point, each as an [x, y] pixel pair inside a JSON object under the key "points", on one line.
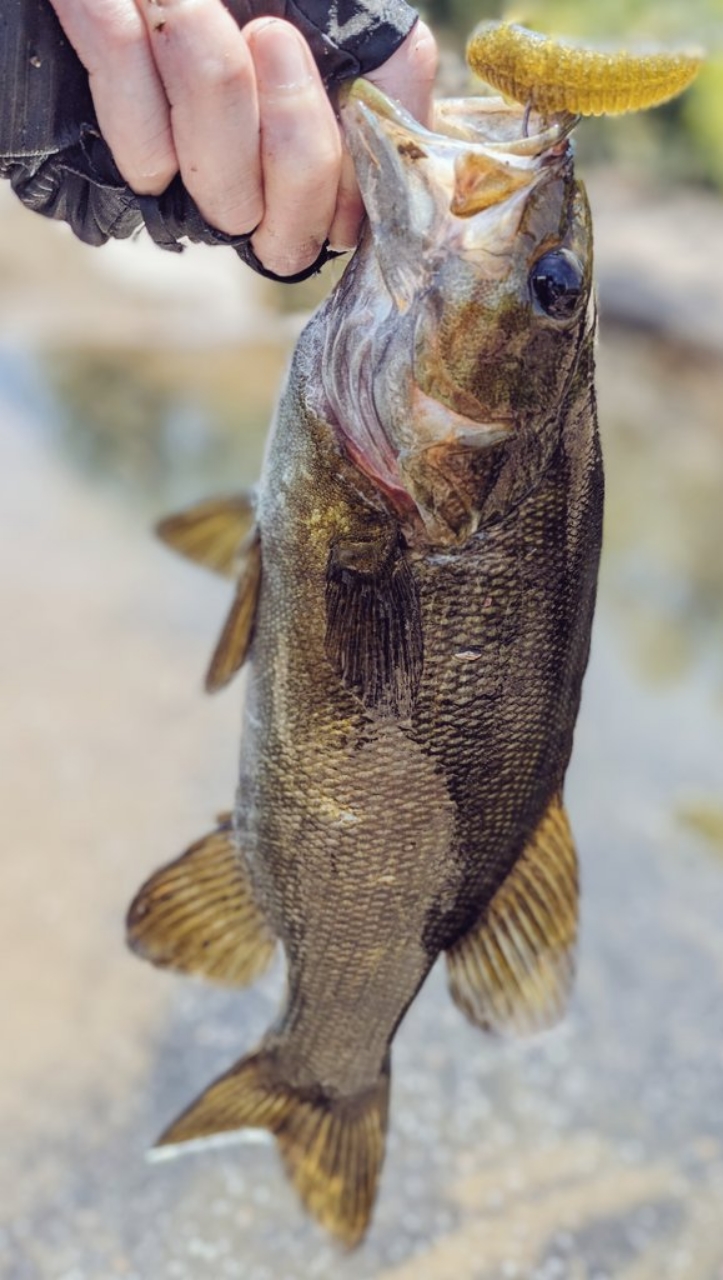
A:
{"points": [[211, 533], [373, 623], [199, 915], [512, 974], [235, 639]]}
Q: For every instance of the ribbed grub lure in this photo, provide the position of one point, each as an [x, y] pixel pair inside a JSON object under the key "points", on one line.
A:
{"points": [[552, 75]]}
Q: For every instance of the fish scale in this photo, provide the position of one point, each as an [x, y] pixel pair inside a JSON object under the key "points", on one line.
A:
{"points": [[415, 589]]}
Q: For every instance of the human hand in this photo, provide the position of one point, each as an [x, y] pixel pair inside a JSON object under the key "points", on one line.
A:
{"points": [[241, 113]]}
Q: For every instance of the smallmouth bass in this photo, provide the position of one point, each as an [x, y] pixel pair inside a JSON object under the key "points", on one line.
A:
{"points": [[415, 587]]}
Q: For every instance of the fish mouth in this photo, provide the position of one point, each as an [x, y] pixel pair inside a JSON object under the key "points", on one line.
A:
{"points": [[480, 151], [460, 187], [491, 123]]}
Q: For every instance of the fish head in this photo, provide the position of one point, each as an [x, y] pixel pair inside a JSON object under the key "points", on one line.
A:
{"points": [[479, 251]]}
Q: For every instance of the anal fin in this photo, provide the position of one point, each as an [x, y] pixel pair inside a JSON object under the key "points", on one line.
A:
{"points": [[332, 1146], [198, 914], [512, 973]]}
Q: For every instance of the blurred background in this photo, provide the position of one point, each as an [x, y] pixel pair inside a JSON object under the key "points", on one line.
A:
{"points": [[131, 382]]}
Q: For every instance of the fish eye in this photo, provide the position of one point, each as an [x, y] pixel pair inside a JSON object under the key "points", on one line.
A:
{"points": [[556, 282]]}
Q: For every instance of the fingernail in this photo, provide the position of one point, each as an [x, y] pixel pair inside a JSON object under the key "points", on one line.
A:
{"points": [[280, 57]]}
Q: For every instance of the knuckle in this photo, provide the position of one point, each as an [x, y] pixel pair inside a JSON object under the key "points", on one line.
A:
{"points": [[225, 74], [234, 217], [121, 30], [424, 53], [409, 74], [314, 178]]}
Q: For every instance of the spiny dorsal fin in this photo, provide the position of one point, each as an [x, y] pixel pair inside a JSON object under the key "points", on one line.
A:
{"points": [[373, 623], [332, 1147], [198, 915], [211, 532], [512, 974], [235, 639]]}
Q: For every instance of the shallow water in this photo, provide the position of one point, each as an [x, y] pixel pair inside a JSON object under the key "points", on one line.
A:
{"points": [[592, 1153]]}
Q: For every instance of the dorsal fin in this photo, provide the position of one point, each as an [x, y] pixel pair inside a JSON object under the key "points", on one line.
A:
{"points": [[512, 973], [199, 915], [212, 532]]}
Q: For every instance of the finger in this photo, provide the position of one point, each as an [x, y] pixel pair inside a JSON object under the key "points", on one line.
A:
{"points": [[300, 148], [409, 74], [208, 75], [111, 41], [349, 212]]}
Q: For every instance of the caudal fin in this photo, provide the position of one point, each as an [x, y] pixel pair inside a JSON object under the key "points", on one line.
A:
{"points": [[332, 1147]]}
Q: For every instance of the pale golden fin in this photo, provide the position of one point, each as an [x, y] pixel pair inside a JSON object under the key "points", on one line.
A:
{"points": [[211, 533], [235, 639], [333, 1148], [198, 915], [512, 974]]}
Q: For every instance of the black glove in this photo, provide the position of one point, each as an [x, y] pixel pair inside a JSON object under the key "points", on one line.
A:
{"points": [[59, 164]]}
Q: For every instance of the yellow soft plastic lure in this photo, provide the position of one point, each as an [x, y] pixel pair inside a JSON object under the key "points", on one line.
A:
{"points": [[553, 75]]}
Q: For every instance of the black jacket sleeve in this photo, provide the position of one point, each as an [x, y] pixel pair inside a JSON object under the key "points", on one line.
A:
{"points": [[57, 162]]}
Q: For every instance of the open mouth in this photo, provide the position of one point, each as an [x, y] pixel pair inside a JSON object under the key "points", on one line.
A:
{"points": [[502, 139], [478, 165]]}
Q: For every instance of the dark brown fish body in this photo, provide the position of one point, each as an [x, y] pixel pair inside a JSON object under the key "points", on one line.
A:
{"points": [[428, 530], [375, 844]]}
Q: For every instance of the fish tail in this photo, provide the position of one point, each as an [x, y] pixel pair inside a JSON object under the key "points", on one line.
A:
{"points": [[332, 1146]]}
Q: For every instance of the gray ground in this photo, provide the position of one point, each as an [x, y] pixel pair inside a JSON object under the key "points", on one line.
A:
{"points": [[593, 1153]]}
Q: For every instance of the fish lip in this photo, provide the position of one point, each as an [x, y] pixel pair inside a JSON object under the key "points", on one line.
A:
{"points": [[531, 145], [462, 118]]}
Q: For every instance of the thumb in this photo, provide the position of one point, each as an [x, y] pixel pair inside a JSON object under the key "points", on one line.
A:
{"points": [[409, 74]]}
